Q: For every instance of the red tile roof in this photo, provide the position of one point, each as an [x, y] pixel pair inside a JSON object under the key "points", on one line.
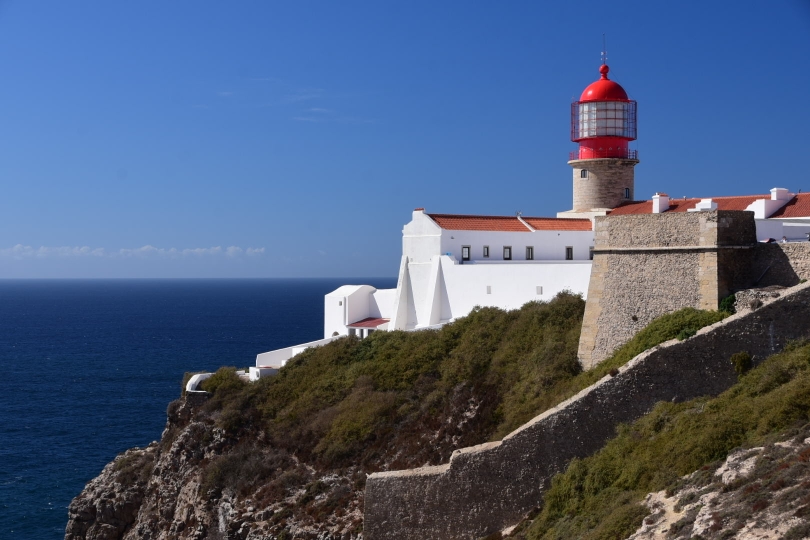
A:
{"points": [[368, 322], [457, 222], [798, 206], [682, 205], [559, 224]]}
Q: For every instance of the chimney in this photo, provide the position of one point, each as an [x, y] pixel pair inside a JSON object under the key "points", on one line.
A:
{"points": [[704, 205], [660, 203], [780, 194]]}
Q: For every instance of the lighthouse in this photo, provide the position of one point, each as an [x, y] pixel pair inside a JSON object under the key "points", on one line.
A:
{"points": [[603, 122]]}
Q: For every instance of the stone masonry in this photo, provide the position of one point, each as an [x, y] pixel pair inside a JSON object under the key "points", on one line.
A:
{"points": [[486, 488], [781, 264], [605, 182], [647, 265]]}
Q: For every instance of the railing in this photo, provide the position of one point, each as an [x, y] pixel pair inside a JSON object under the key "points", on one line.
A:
{"points": [[597, 154]]}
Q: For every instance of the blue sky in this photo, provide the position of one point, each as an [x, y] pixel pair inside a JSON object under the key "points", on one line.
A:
{"points": [[280, 139]]}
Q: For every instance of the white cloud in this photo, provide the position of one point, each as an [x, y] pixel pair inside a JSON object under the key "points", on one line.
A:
{"points": [[308, 118], [27, 252], [303, 94], [324, 115], [20, 252]]}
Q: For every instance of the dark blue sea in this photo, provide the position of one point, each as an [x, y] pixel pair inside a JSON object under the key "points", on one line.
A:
{"points": [[87, 369]]}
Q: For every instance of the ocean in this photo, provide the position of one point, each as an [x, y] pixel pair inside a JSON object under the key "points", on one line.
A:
{"points": [[87, 368]]}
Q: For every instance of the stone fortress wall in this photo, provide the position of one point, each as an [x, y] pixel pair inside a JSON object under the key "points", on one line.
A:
{"points": [[781, 264], [644, 266], [487, 488], [647, 265]]}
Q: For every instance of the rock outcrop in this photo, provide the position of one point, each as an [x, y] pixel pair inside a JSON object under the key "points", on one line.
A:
{"points": [[165, 491], [755, 494]]}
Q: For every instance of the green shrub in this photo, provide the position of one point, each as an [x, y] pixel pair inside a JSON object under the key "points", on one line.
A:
{"points": [[134, 467], [566, 385], [225, 379], [727, 304], [741, 362], [337, 403], [686, 333], [242, 470]]}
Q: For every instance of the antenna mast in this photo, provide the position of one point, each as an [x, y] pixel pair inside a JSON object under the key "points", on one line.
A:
{"points": [[604, 50]]}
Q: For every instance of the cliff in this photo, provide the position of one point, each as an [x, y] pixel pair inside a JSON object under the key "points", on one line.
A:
{"points": [[288, 456]]}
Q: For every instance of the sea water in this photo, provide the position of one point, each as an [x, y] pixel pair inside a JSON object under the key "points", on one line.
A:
{"points": [[87, 368]]}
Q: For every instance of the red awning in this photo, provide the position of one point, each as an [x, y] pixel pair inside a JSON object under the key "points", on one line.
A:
{"points": [[368, 322]]}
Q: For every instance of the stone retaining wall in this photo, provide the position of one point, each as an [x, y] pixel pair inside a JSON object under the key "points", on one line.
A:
{"points": [[487, 488]]}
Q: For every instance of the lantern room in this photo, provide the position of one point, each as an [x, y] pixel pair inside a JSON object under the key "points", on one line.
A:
{"points": [[603, 121]]}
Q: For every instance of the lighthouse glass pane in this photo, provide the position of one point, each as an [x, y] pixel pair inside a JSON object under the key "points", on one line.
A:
{"points": [[606, 119]]}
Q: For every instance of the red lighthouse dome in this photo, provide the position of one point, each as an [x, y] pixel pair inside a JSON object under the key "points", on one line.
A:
{"points": [[603, 121], [604, 89]]}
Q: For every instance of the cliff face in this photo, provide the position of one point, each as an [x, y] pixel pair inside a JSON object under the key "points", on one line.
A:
{"points": [[159, 492]]}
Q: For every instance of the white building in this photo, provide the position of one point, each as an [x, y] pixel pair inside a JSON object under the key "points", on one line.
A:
{"points": [[452, 263]]}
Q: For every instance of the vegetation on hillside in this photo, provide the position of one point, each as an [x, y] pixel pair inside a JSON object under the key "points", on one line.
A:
{"points": [[405, 399], [598, 498], [388, 400], [679, 324]]}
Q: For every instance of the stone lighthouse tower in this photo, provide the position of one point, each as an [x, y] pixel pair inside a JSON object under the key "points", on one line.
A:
{"points": [[603, 122]]}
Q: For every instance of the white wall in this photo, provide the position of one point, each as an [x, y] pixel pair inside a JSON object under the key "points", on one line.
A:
{"points": [[548, 245], [444, 289], [510, 284], [381, 303], [423, 239], [795, 229], [257, 373], [277, 358], [769, 228], [351, 303], [195, 380]]}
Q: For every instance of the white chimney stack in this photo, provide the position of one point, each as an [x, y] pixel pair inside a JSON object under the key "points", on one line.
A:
{"points": [[780, 194], [660, 203]]}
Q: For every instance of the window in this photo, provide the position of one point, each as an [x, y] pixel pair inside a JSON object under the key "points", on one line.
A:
{"points": [[465, 253], [583, 173], [590, 253], [352, 332], [529, 253], [627, 193], [569, 253], [539, 289], [489, 289], [486, 252], [507, 253]]}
